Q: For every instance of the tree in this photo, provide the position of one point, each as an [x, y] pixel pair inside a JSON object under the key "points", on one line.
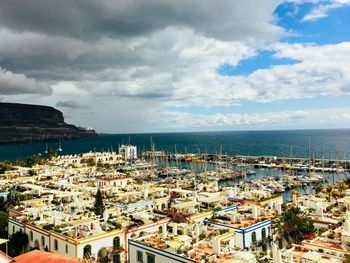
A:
{"points": [[296, 193], [343, 186], [336, 193], [31, 173], [4, 166], [294, 225], [318, 187], [17, 243], [99, 206], [3, 224], [33, 160], [3, 203], [52, 153], [90, 162], [330, 189]]}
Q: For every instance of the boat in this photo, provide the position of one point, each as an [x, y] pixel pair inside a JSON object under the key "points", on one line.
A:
{"points": [[59, 146], [250, 172]]}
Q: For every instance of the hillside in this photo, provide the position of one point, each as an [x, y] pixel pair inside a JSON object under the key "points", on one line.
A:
{"points": [[30, 123]]}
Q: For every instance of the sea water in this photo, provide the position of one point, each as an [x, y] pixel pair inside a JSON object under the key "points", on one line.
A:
{"points": [[333, 143]]}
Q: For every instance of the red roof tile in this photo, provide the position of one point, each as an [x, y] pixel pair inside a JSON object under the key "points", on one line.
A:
{"points": [[39, 256]]}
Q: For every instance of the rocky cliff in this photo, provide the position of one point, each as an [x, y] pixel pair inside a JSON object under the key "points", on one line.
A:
{"points": [[29, 123]]}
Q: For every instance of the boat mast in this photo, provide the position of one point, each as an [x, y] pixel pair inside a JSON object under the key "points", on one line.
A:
{"points": [[324, 178], [177, 163]]}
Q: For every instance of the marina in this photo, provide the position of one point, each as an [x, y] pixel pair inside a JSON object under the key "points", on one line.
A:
{"points": [[216, 207]]}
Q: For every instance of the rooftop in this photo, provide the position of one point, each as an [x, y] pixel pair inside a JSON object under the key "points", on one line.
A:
{"points": [[39, 256]]}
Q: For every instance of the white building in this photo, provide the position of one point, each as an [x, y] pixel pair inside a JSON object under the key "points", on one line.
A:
{"points": [[112, 183], [246, 237], [140, 252], [128, 152], [92, 246]]}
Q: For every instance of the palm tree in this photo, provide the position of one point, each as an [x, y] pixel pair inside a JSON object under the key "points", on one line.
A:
{"points": [[294, 225], [318, 187], [330, 189], [343, 186]]}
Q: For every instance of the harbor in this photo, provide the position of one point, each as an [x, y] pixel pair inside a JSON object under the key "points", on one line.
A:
{"points": [[216, 208], [275, 174]]}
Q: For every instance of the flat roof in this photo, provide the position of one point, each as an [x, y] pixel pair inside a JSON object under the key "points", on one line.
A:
{"points": [[186, 204]]}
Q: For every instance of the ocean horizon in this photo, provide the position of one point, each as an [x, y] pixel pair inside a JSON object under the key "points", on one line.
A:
{"points": [[317, 143]]}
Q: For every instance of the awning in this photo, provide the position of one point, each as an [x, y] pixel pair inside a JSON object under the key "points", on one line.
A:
{"points": [[3, 241]]}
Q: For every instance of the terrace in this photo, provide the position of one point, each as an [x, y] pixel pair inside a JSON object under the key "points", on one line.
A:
{"points": [[207, 242], [243, 217]]}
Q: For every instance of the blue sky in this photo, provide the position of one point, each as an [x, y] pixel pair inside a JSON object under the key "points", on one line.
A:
{"points": [[333, 28], [154, 66]]}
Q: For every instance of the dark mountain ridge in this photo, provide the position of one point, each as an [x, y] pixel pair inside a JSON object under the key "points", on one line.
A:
{"points": [[30, 123]]}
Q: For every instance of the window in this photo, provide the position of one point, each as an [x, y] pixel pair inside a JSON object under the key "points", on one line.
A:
{"points": [[42, 241], [263, 233], [56, 244], [139, 256], [87, 251], [66, 249], [31, 235], [254, 237], [116, 242], [150, 258]]}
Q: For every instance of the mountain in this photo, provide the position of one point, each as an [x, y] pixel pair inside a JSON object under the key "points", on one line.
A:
{"points": [[29, 123]]}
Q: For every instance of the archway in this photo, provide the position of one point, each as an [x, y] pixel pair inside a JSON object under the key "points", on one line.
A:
{"points": [[116, 242], [263, 233], [87, 251], [254, 238], [36, 244]]}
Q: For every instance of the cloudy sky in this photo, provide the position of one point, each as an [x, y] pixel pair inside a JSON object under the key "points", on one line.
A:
{"points": [[124, 66]]}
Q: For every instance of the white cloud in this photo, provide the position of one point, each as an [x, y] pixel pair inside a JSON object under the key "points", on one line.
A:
{"points": [[321, 71], [12, 84], [68, 89], [71, 104], [184, 74], [322, 10], [320, 118]]}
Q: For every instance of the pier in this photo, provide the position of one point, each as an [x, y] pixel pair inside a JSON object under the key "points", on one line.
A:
{"points": [[286, 163]]}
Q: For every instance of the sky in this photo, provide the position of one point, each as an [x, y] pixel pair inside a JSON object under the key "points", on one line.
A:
{"points": [[131, 66]]}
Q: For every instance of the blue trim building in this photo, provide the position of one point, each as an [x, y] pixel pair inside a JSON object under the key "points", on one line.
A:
{"points": [[246, 237]]}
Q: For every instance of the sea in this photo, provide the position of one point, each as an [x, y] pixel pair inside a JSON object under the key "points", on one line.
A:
{"points": [[327, 144], [322, 144]]}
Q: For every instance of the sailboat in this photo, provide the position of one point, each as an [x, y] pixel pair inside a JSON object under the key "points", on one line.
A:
{"points": [[47, 149], [59, 146]]}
